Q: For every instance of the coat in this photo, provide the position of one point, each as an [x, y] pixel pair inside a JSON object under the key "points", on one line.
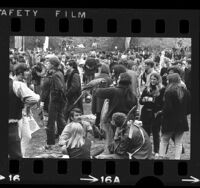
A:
{"points": [[125, 144], [175, 112], [150, 108], [118, 102], [73, 91], [97, 103], [134, 81]]}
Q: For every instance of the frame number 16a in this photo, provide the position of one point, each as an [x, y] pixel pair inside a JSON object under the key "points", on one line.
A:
{"points": [[110, 179]]}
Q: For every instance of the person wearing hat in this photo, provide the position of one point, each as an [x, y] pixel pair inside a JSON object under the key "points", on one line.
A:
{"points": [[130, 142], [121, 99], [90, 67], [19, 95], [57, 100]]}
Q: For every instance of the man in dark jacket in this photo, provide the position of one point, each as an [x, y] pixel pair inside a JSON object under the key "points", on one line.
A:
{"points": [[90, 68], [121, 99], [130, 141], [56, 102], [73, 89]]}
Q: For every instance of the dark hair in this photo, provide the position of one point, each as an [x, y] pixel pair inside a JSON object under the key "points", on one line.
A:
{"points": [[175, 69], [125, 79], [119, 118], [77, 110], [20, 68], [118, 69], [73, 64], [105, 68], [149, 62], [175, 85]]}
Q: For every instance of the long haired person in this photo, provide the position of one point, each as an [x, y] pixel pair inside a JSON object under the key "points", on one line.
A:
{"points": [[175, 110], [77, 146]]}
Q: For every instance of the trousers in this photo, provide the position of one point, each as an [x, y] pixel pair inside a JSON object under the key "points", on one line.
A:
{"points": [[178, 143], [56, 114], [14, 142]]}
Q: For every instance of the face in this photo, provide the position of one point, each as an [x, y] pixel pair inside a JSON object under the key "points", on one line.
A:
{"points": [[63, 58], [147, 67], [49, 65], [76, 116], [153, 80], [26, 75]]}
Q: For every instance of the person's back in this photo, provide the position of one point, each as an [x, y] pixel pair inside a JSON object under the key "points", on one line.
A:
{"points": [[134, 81]]}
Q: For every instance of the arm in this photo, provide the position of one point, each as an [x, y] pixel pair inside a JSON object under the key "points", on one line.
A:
{"points": [[26, 94], [45, 89], [94, 101], [65, 135], [144, 94], [122, 149], [105, 93]]}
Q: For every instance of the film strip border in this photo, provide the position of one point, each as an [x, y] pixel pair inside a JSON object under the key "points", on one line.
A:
{"points": [[139, 23], [100, 22], [61, 171]]}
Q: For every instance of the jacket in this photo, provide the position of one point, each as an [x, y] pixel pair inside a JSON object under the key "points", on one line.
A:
{"points": [[150, 108], [175, 112], [97, 103], [118, 101], [73, 89]]}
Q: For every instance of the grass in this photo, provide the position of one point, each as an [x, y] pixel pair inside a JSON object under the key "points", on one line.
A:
{"points": [[36, 146]]}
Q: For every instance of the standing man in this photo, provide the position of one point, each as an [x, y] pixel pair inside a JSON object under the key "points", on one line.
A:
{"points": [[19, 94], [57, 102]]}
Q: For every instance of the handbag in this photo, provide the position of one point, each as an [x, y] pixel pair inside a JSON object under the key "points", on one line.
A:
{"points": [[33, 126]]}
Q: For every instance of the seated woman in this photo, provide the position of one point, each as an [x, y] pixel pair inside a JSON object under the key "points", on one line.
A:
{"points": [[76, 145], [130, 141], [74, 117]]}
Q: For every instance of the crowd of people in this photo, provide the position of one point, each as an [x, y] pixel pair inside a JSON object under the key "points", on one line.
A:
{"points": [[135, 95]]}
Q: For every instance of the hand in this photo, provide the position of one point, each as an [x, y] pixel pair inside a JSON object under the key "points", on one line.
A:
{"points": [[144, 99], [150, 99], [41, 104]]}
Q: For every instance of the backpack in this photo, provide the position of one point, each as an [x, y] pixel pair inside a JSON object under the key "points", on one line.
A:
{"points": [[130, 136]]}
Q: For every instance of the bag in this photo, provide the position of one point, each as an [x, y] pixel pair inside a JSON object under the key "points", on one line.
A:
{"points": [[24, 133], [24, 129], [137, 124], [33, 126], [104, 112]]}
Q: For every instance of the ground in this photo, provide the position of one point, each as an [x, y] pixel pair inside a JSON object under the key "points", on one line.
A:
{"points": [[36, 145]]}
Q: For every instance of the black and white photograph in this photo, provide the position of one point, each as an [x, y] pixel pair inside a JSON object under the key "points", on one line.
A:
{"points": [[99, 97]]}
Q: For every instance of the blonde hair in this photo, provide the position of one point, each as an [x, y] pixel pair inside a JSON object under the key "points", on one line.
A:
{"points": [[77, 136]]}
